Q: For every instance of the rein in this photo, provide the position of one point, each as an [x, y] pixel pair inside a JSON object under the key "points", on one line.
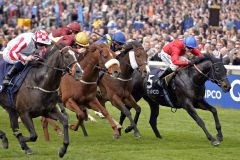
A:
{"points": [[213, 79], [43, 90]]}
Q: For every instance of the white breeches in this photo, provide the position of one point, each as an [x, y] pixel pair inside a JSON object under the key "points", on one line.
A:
{"points": [[167, 59]]}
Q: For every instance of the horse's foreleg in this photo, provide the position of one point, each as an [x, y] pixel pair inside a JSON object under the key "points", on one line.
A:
{"points": [[44, 123], [55, 114], [15, 128], [95, 105], [153, 118], [62, 108], [131, 102], [205, 106], [117, 101], [4, 139], [192, 112], [28, 123], [72, 105]]}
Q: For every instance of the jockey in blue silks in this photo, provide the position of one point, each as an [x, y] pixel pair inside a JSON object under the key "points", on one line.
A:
{"points": [[115, 41]]}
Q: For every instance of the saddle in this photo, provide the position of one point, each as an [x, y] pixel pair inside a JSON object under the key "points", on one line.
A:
{"points": [[16, 81], [168, 78]]}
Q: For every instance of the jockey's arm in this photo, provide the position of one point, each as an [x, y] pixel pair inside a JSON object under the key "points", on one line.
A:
{"points": [[196, 52], [175, 58], [14, 53]]}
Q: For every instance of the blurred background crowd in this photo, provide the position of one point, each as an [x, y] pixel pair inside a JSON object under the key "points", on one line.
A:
{"points": [[153, 22]]}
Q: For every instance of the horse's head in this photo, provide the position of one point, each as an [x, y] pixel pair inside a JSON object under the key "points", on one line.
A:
{"points": [[217, 73], [107, 60], [69, 62], [138, 57]]}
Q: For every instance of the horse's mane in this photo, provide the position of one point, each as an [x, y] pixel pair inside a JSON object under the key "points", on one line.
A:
{"points": [[206, 57], [94, 46], [129, 46], [52, 49]]}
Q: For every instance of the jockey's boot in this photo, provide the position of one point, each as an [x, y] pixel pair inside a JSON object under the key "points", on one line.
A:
{"points": [[163, 84], [166, 94], [10, 75], [165, 73], [13, 71]]}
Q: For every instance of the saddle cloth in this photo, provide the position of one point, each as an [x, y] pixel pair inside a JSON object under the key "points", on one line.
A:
{"points": [[153, 83], [17, 79]]}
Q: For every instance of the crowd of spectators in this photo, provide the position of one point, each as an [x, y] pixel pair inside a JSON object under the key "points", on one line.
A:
{"points": [[153, 22]]}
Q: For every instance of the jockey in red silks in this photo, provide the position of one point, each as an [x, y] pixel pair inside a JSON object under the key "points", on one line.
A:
{"points": [[66, 35], [173, 55], [20, 50]]}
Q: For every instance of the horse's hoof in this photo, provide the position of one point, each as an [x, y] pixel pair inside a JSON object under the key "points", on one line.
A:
{"points": [[219, 138], [159, 136], [137, 134], [85, 135], [120, 131], [61, 153], [215, 143], [5, 143], [116, 136], [73, 127], [28, 151], [128, 129]]}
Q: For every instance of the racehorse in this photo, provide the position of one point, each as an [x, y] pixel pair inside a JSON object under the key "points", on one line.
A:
{"points": [[38, 96], [187, 90], [118, 90], [75, 95]]}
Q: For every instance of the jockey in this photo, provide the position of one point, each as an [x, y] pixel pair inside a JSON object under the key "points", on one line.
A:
{"points": [[173, 55], [81, 41], [115, 41], [66, 34], [20, 50]]}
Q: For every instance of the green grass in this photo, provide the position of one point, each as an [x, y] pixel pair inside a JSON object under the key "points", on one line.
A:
{"points": [[182, 139]]}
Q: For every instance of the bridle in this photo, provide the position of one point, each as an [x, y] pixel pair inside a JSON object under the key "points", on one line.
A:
{"points": [[63, 70], [67, 69], [210, 74]]}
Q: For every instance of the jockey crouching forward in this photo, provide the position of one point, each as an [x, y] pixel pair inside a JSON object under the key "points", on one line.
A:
{"points": [[173, 55], [20, 50], [116, 41], [65, 35]]}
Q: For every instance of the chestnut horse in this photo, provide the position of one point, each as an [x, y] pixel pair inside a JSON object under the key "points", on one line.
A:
{"points": [[118, 91], [77, 94], [38, 96]]}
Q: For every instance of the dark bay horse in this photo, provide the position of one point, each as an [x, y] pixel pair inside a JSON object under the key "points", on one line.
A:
{"points": [[118, 90], [76, 95], [187, 90], [38, 96]]}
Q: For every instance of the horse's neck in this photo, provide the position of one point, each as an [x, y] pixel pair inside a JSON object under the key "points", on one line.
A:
{"points": [[46, 76], [200, 73], [88, 65], [126, 68]]}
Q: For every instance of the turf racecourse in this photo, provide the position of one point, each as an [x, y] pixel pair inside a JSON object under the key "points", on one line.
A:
{"points": [[182, 139]]}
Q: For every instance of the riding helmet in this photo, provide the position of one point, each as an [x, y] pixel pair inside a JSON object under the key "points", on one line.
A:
{"points": [[119, 37], [190, 42], [82, 39]]}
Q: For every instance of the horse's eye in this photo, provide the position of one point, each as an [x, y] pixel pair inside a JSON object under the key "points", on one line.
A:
{"points": [[66, 56]]}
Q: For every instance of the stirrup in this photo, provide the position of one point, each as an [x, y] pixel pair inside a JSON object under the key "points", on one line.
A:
{"points": [[6, 82]]}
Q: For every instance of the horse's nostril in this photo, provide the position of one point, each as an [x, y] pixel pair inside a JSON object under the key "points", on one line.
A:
{"points": [[116, 72]]}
